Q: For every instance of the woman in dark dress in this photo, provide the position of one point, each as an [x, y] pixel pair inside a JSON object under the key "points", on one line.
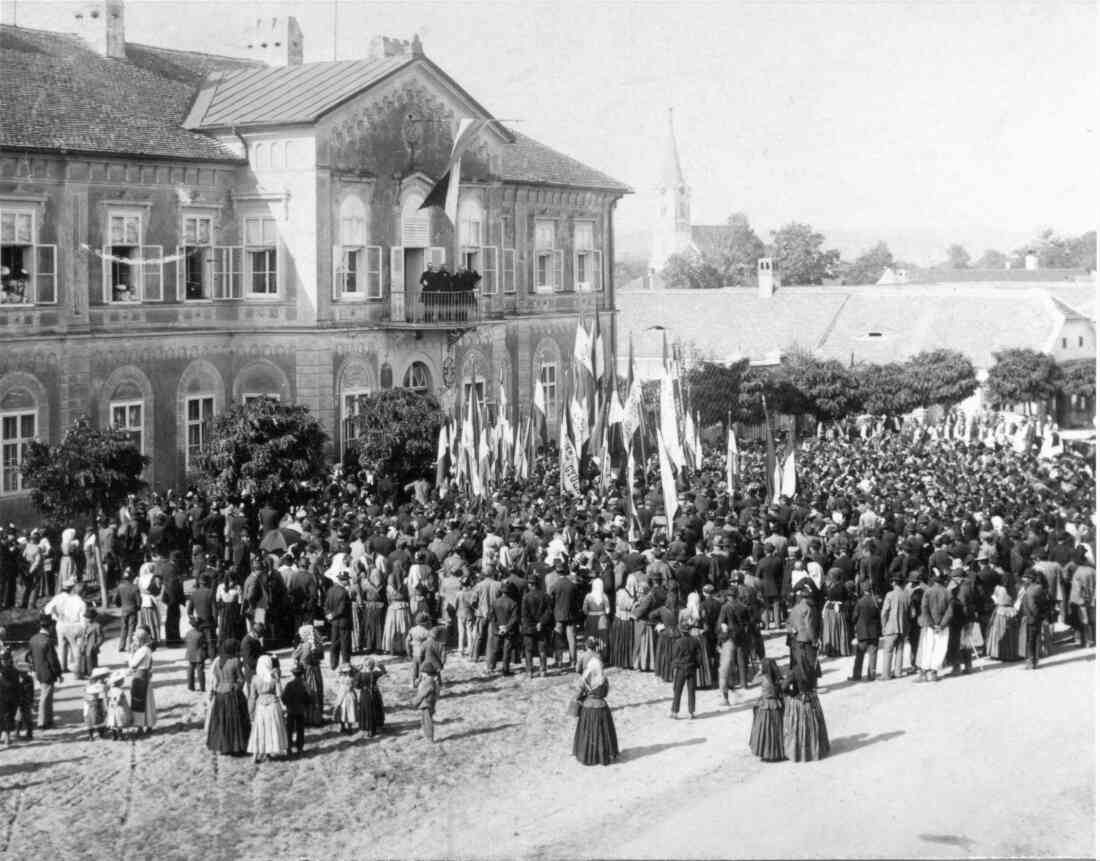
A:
{"points": [[373, 594], [622, 629], [308, 654], [667, 619], [805, 737], [594, 741], [766, 737], [836, 628], [228, 726], [369, 709], [230, 618]]}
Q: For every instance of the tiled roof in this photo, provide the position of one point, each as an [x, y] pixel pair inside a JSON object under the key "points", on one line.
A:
{"points": [[527, 160], [992, 276], [861, 324], [282, 95], [56, 94]]}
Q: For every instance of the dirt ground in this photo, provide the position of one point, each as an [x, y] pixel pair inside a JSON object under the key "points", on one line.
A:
{"points": [[1001, 762]]}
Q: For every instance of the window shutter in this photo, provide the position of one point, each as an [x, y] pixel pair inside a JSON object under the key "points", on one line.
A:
{"points": [[105, 273], [508, 270], [397, 284], [337, 271], [489, 268], [227, 271], [556, 257], [596, 278], [373, 272], [45, 274], [152, 273], [181, 272], [437, 254]]}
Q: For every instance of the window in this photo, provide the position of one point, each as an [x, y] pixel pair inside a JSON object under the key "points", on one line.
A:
{"points": [[1065, 343], [28, 271], [416, 223], [352, 401], [548, 379], [128, 416], [357, 267], [260, 156], [249, 397], [418, 378], [200, 419], [122, 253], [196, 267], [547, 261], [587, 263], [16, 432], [508, 269], [261, 256], [1080, 340]]}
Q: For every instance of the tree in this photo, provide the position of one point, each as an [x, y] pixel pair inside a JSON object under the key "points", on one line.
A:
{"points": [[1078, 379], [89, 472], [265, 448], [991, 259], [743, 250], [958, 257], [943, 377], [1061, 252], [825, 388], [886, 390], [691, 271], [869, 266], [714, 389], [799, 258], [397, 432], [1022, 376]]}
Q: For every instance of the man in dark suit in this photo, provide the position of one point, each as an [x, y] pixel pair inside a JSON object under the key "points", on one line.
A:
{"points": [[868, 628], [769, 571], [563, 594], [200, 610], [252, 647], [338, 613], [128, 599], [43, 659], [172, 594], [536, 622], [503, 629]]}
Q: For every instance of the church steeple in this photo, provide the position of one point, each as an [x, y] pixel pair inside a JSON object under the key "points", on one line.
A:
{"points": [[672, 229]]}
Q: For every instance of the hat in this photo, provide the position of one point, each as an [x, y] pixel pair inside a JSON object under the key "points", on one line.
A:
{"points": [[117, 677], [344, 669], [342, 576], [914, 576], [297, 670], [99, 673]]}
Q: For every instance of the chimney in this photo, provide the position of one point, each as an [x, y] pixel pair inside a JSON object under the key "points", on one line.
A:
{"points": [[101, 25], [276, 41], [767, 280], [1031, 261], [1008, 263], [381, 47], [7, 13]]}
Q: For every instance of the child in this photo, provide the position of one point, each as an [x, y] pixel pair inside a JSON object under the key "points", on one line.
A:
{"points": [[95, 702], [372, 713], [119, 717], [414, 643], [91, 639], [344, 709], [297, 699], [194, 646], [26, 701], [591, 650], [766, 737], [9, 695], [427, 695]]}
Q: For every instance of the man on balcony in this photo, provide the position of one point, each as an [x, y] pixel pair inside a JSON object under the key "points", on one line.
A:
{"points": [[465, 285], [431, 286]]}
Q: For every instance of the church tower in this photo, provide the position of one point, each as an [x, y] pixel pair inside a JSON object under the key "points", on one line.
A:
{"points": [[672, 228]]}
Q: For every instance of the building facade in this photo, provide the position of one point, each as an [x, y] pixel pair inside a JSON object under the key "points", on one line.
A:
{"points": [[181, 232]]}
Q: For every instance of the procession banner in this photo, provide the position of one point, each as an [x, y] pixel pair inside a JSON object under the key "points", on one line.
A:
{"points": [[569, 465], [668, 482]]}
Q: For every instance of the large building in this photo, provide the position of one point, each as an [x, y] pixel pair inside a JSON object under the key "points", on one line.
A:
{"points": [[183, 231]]}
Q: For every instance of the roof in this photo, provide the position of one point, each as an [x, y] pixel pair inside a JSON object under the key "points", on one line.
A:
{"points": [[67, 97], [990, 276], [854, 323], [528, 161], [286, 95]]}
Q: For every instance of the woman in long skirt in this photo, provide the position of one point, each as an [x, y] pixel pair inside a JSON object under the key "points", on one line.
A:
{"points": [[373, 609], [704, 673], [1002, 638], [268, 736], [230, 618], [805, 737], [597, 610], [397, 614], [766, 736], [836, 631], [345, 710], [142, 702], [149, 612], [594, 741], [622, 631], [308, 654], [644, 645], [227, 726], [370, 709]]}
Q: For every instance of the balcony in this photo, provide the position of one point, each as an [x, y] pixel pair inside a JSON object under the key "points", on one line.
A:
{"points": [[437, 310]]}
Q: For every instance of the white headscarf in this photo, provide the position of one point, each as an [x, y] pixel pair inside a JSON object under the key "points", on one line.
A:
{"points": [[265, 669], [593, 672]]}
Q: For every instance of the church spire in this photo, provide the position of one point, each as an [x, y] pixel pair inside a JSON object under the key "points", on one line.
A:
{"points": [[672, 177]]}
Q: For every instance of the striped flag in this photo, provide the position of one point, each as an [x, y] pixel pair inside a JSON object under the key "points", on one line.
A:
{"points": [[445, 192]]}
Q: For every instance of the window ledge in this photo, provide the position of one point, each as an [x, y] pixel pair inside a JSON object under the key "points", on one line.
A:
{"points": [[198, 301]]}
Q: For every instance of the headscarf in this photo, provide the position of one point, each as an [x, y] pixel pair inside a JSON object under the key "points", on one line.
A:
{"points": [[692, 608], [265, 669], [596, 590], [593, 672]]}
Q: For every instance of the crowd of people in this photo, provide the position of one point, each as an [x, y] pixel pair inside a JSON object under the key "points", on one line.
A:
{"points": [[910, 556]]}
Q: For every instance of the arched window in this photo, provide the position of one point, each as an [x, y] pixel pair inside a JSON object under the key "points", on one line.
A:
{"points": [[18, 427], [386, 376], [418, 378], [260, 156], [416, 223], [277, 160]]}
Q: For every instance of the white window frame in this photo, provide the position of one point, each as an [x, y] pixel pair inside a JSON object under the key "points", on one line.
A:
{"points": [[20, 442], [427, 388], [205, 426], [128, 426], [257, 248], [593, 260], [508, 271], [550, 256], [39, 262], [254, 396], [549, 390], [490, 271], [208, 252], [145, 271], [349, 397], [416, 224]]}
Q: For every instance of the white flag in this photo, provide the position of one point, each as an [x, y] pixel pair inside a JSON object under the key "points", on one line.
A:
{"points": [[668, 482]]}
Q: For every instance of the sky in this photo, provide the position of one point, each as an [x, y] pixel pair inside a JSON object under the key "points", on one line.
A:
{"points": [[920, 123]]}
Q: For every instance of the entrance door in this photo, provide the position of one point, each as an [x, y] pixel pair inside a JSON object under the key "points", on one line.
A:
{"points": [[415, 264]]}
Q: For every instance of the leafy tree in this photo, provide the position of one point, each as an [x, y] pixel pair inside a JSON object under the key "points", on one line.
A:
{"points": [[992, 259], [88, 472], [1078, 379], [1021, 376], [265, 448], [886, 389], [691, 271], [869, 266], [744, 249], [627, 269], [799, 257], [958, 257], [825, 388], [714, 389], [1061, 252], [397, 433], [943, 377]]}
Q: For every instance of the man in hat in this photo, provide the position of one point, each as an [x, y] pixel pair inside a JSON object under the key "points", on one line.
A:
{"points": [[67, 610], [686, 657], [536, 624], [1035, 607], [47, 669], [894, 619], [935, 617], [128, 599], [337, 608], [867, 628]]}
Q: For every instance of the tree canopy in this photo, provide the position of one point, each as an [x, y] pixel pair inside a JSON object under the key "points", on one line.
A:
{"points": [[264, 448], [691, 271], [992, 259], [1078, 378], [740, 256], [869, 266], [397, 431], [799, 256], [1061, 252], [886, 389], [943, 377], [958, 257], [1022, 376], [90, 471]]}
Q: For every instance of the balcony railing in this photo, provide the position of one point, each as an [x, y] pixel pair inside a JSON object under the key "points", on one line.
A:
{"points": [[438, 309]]}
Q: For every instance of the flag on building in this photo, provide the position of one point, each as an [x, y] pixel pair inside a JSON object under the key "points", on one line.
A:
{"points": [[445, 192], [733, 465]]}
